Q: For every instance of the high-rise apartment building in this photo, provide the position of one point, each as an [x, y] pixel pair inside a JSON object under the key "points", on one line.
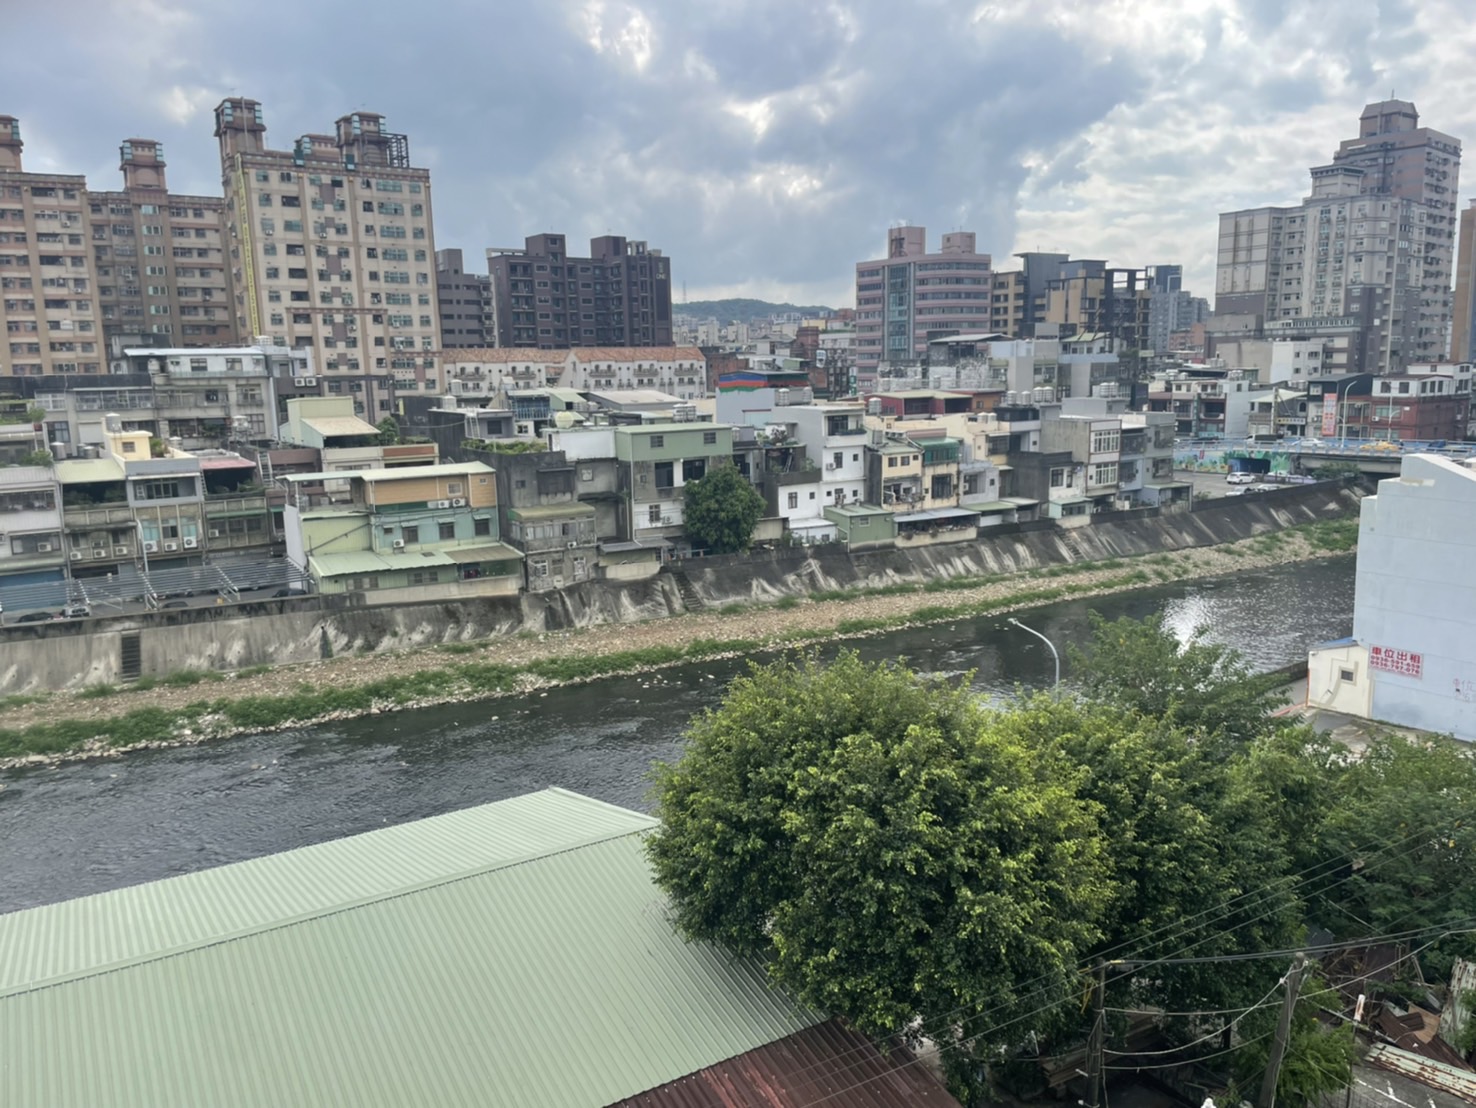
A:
{"points": [[1463, 309], [465, 303], [1170, 306], [1090, 297], [331, 245], [911, 297], [48, 295], [1372, 245], [618, 296], [159, 258], [1399, 158]]}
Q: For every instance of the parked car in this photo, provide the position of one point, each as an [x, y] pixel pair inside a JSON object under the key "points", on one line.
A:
{"points": [[36, 617], [1240, 478], [174, 604], [288, 592], [76, 611], [1262, 488]]}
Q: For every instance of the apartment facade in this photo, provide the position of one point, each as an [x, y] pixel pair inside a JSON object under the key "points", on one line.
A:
{"points": [[332, 244], [911, 296], [620, 295], [159, 259], [48, 295], [464, 301]]}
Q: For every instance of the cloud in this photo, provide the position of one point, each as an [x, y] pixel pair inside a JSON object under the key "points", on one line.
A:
{"points": [[766, 145]]}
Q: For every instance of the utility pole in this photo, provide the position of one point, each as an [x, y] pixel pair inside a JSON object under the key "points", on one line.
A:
{"points": [[1267, 1098], [1096, 1042]]}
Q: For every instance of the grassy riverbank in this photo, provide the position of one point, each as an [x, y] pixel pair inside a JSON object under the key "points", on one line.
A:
{"points": [[195, 706]]}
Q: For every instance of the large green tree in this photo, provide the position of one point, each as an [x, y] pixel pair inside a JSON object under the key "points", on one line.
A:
{"points": [[721, 509], [1204, 688], [898, 857]]}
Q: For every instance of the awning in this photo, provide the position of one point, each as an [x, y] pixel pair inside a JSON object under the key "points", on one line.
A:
{"points": [[556, 511], [226, 463], [1167, 484], [810, 523], [492, 552], [994, 506], [1020, 501], [634, 545], [933, 515]]}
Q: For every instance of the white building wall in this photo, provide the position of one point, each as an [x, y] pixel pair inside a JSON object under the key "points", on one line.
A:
{"points": [[1416, 595]]}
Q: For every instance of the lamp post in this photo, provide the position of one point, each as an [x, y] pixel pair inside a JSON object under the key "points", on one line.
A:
{"points": [[1052, 646], [1340, 390]]}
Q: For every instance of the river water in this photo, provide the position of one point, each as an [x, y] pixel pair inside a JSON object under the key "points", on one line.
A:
{"points": [[82, 828]]}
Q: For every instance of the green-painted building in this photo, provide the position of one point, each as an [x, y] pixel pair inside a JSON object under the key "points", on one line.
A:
{"points": [[655, 461]]}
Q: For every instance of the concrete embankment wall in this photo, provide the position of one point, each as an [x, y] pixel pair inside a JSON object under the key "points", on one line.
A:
{"points": [[73, 655]]}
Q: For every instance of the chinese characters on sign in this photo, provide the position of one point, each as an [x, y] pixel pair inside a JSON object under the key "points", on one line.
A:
{"points": [[1329, 417], [1390, 660]]}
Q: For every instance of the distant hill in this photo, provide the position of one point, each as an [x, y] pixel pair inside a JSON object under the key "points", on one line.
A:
{"points": [[741, 309]]}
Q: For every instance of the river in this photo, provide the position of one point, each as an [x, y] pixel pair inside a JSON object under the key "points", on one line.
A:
{"points": [[82, 828]]}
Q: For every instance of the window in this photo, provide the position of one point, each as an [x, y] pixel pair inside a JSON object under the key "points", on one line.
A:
{"points": [[654, 514], [709, 438], [1346, 676], [1104, 473], [658, 442], [794, 500], [482, 527], [411, 535], [1060, 478], [446, 531]]}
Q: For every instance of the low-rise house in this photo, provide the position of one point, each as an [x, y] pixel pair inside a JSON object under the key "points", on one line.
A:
{"points": [[863, 526], [30, 504], [835, 436], [419, 533], [542, 516], [345, 442], [654, 463], [1095, 446]]}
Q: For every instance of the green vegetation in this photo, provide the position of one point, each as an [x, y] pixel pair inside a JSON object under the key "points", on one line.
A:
{"points": [[1336, 471], [904, 857], [1338, 536], [721, 509], [37, 458], [389, 431], [741, 309]]}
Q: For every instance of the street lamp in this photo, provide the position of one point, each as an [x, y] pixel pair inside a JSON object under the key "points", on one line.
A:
{"points": [[1015, 622], [1342, 420]]}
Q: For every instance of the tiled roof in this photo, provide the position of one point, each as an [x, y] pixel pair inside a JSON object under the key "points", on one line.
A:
{"points": [[827, 1063], [638, 354], [516, 953], [503, 354]]}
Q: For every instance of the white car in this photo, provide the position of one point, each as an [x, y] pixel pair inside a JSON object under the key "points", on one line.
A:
{"points": [[1240, 478]]}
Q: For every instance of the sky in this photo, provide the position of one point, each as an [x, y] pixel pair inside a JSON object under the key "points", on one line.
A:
{"points": [[767, 145]]}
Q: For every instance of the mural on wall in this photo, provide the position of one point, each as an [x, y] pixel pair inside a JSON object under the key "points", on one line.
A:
{"points": [[1216, 460]]}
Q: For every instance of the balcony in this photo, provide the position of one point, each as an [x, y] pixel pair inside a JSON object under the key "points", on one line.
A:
{"points": [[102, 515]]}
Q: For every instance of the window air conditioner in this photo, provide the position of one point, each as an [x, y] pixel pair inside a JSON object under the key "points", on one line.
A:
{"points": [[190, 544], [120, 551], [398, 544], [76, 555], [171, 546], [459, 502], [43, 548], [150, 547], [214, 534]]}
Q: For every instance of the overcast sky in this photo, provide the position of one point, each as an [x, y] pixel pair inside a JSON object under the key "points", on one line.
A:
{"points": [[766, 145]]}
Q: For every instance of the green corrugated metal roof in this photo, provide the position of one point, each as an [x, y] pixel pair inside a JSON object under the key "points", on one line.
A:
{"points": [[355, 562], [517, 953]]}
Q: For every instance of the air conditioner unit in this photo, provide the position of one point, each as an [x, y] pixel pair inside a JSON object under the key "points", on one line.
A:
{"points": [[667, 521], [398, 544], [829, 467], [309, 381], [150, 547], [43, 548], [571, 545], [171, 546], [76, 555], [440, 503], [299, 380], [100, 552], [458, 502], [190, 544], [120, 551], [214, 534]]}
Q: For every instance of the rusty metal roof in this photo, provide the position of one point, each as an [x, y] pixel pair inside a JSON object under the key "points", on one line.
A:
{"points": [[827, 1063]]}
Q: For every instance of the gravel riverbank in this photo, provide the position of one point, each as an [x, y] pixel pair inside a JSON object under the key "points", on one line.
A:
{"points": [[769, 624]]}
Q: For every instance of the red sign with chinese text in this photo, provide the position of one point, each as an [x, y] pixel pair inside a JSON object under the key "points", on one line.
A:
{"points": [[1404, 662]]}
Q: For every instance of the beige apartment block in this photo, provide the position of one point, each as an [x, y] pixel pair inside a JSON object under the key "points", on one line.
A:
{"points": [[331, 245], [160, 258], [48, 298]]}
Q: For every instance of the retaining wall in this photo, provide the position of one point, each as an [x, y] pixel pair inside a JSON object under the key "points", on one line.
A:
{"points": [[75, 654]]}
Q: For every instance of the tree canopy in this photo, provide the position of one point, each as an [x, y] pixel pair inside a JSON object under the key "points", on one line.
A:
{"points": [[896, 855], [722, 509], [918, 862]]}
